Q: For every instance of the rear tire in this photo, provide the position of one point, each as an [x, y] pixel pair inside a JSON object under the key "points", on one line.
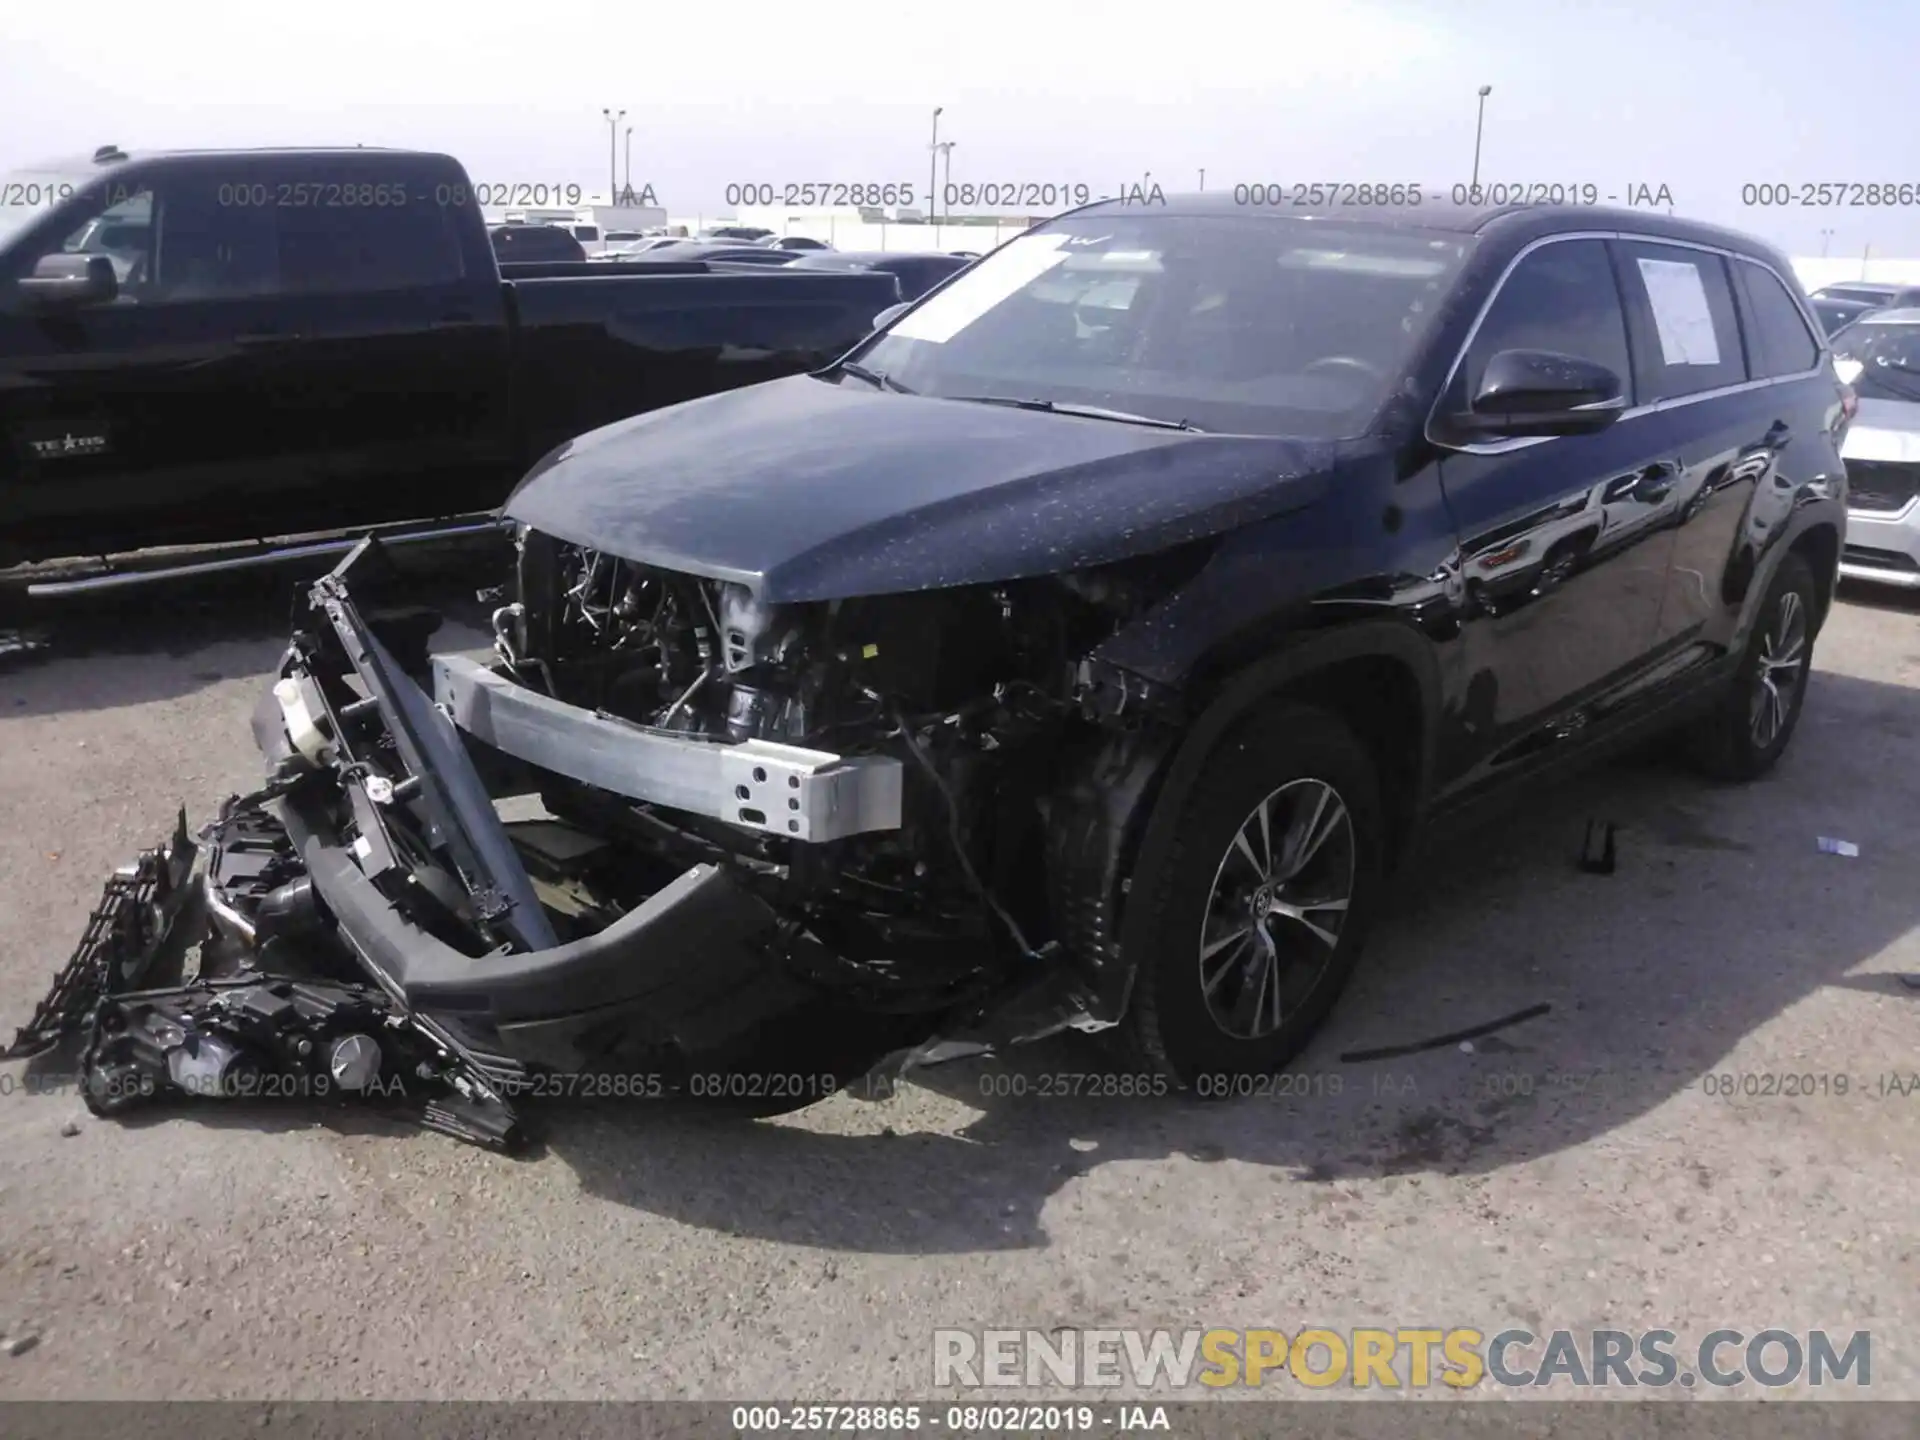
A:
{"points": [[1254, 922], [1747, 731]]}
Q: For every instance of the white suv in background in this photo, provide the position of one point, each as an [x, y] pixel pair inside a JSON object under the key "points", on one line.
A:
{"points": [[1879, 356]]}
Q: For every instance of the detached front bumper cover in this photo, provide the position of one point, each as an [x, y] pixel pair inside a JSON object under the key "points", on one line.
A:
{"points": [[364, 925]]}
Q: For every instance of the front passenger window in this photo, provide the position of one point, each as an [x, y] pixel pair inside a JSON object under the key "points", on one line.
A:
{"points": [[1563, 298]]}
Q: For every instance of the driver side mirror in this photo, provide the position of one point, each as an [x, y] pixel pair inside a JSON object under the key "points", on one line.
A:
{"points": [[892, 313], [1539, 392], [61, 281]]}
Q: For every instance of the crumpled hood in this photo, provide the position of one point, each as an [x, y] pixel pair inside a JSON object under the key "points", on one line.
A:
{"points": [[804, 489]]}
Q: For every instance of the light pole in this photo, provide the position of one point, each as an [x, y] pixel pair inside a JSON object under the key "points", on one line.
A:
{"points": [[613, 141], [626, 191], [1826, 239], [1203, 177], [933, 160], [1479, 125], [945, 147]]}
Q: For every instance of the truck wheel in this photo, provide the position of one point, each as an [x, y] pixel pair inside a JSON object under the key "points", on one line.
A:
{"points": [[1256, 919], [1748, 730]]}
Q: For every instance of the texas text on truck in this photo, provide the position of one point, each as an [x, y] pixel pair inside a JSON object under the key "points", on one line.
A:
{"points": [[216, 346], [1083, 649]]}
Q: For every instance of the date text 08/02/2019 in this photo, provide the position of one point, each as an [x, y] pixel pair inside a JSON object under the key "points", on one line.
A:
{"points": [[1013, 1419], [1343, 194], [367, 194], [1024, 197]]}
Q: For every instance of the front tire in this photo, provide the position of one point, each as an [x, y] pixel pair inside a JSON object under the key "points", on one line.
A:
{"points": [[1748, 729], [1256, 918]]}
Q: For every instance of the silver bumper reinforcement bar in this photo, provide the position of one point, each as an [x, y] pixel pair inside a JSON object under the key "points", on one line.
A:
{"points": [[811, 795]]}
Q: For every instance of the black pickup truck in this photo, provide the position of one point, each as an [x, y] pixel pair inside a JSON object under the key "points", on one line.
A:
{"points": [[203, 347]]}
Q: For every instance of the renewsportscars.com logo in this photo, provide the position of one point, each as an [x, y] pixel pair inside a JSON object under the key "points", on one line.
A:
{"points": [[1415, 1358]]}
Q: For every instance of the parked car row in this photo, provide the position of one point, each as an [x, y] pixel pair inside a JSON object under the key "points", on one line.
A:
{"points": [[178, 367], [917, 273]]}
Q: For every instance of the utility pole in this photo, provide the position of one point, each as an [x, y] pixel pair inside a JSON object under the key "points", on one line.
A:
{"points": [[933, 161], [613, 143], [1479, 126], [626, 191]]}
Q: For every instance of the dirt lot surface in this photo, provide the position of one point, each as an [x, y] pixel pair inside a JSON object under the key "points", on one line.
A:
{"points": [[1572, 1171]]}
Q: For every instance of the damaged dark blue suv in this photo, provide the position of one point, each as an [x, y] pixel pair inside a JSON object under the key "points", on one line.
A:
{"points": [[1082, 649]]}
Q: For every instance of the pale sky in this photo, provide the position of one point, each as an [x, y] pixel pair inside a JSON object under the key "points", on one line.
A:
{"points": [[1701, 96]]}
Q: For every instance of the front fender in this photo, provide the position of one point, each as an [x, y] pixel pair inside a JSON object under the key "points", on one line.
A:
{"points": [[1116, 812]]}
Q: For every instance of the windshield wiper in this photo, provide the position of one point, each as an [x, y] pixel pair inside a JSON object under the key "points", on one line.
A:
{"points": [[1089, 412], [873, 377]]}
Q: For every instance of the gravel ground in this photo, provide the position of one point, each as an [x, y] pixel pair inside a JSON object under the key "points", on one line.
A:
{"points": [[1571, 1171]]}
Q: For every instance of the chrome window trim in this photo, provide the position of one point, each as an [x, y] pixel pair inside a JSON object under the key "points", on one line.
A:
{"points": [[1822, 358]]}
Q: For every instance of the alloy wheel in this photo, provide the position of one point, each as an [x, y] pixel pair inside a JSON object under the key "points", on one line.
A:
{"points": [[1278, 903], [1781, 669]]}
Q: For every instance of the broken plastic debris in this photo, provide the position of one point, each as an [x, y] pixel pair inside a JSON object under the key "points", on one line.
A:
{"points": [[1597, 853], [1830, 846]]}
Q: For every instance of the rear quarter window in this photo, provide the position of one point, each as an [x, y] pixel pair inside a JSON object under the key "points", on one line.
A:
{"points": [[1782, 342]]}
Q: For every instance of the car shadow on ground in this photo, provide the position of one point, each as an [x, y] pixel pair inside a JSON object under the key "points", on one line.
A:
{"points": [[1722, 913], [130, 647]]}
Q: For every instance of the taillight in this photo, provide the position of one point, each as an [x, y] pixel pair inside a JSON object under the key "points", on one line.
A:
{"points": [[1849, 403]]}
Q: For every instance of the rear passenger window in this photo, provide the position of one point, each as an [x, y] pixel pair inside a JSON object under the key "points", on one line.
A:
{"points": [[1688, 339], [1561, 298], [1782, 343], [336, 244], [206, 247]]}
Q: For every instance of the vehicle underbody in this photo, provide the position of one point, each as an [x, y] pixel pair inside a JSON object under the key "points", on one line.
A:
{"points": [[669, 841]]}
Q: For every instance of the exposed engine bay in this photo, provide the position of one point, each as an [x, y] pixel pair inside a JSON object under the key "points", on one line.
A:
{"points": [[750, 853]]}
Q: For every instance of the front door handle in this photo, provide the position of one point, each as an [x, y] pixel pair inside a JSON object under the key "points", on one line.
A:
{"points": [[1649, 486], [1656, 482]]}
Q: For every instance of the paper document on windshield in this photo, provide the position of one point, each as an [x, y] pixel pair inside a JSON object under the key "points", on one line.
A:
{"points": [[1680, 312], [1022, 261]]}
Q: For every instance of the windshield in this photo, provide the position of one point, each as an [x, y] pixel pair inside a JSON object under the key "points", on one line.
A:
{"points": [[27, 195], [1872, 294], [1834, 314], [1247, 324], [1880, 361]]}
